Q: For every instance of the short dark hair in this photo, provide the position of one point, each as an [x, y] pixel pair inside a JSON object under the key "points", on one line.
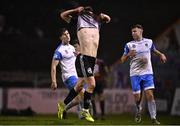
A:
{"points": [[62, 30], [137, 26], [88, 8], [91, 9]]}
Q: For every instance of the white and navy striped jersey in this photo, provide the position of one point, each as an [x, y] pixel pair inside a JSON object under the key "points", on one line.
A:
{"points": [[65, 54], [141, 63]]}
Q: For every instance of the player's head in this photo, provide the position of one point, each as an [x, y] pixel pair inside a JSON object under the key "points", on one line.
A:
{"points": [[87, 10], [64, 36], [137, 31], [94, 6]]}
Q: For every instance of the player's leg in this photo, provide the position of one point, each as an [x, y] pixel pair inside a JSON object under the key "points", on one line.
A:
{"points": [[73, 103], [136, 88], [70, 84], [72, 94], [85, 67], [79, 86], [81, 103], [148, 87], [87, 98]]}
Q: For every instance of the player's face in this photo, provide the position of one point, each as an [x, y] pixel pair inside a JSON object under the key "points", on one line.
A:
{"points": [[65, 37], [136, 33]]}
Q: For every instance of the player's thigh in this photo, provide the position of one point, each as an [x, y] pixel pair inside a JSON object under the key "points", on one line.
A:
{"points": [[85, 66], [71, 82], [147, 81], [90, 81], [135, 84], [79, 85]]}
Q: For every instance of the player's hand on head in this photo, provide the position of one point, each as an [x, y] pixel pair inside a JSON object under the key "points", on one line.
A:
{"points": [[79, 9], [163, 58], [53, 85], [105, 18]]}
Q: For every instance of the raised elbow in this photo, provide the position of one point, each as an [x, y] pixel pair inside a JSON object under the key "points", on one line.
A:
{"points": [[62, 15]]}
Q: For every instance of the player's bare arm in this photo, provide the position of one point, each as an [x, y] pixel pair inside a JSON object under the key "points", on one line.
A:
{"points": [[162, 57], [53, 74], [67, 15], [124, 58]]}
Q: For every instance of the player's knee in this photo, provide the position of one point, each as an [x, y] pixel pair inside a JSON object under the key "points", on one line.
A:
{"points": [[150, 97], [137, 96], [91, 86], [78, 88], [91, 83]]}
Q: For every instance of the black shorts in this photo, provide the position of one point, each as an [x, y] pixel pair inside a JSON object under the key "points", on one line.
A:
{"points": [[85, 65]]}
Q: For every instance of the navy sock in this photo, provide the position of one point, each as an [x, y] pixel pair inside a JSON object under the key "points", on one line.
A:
{"points": [[72, 94], [87, 99]]}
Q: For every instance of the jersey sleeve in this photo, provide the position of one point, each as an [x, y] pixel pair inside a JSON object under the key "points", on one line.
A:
{"points": [[153, 47], [126, 50], [57, 55]]}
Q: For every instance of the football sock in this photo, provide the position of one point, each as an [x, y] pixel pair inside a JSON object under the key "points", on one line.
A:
{"points": [[152, 109], [72, 94], [87, 99]]}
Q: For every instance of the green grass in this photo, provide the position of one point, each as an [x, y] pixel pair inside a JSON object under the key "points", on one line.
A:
{"points": [[123, 119]]}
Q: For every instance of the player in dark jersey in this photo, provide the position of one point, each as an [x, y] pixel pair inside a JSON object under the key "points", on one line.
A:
{"points": [[88, 26]]}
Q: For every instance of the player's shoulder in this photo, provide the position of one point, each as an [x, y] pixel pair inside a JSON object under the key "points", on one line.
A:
{"points": [[71, 46], [147, 40], [59, 48], [130, 42]]}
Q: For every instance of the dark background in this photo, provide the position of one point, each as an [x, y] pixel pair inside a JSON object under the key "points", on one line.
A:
{"points": [[30, 28]]}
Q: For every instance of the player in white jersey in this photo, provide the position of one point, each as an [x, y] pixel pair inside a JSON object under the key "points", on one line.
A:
{"points": [[65, 55], [141, 73]]}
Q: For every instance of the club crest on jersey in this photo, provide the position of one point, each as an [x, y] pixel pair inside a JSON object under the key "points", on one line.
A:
{"points": [[134, 46], [89, 70], [66, 51], [146, 45]]}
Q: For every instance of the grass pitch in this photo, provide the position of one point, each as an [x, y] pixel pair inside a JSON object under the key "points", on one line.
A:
{"points": [[123, 119]]}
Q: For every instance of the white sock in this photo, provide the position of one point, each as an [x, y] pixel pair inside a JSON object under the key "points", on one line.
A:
{"points": [[152, 109]]}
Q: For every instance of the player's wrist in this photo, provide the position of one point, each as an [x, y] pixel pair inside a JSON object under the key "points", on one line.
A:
{"points": [[54, 82], [161, 54]]}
